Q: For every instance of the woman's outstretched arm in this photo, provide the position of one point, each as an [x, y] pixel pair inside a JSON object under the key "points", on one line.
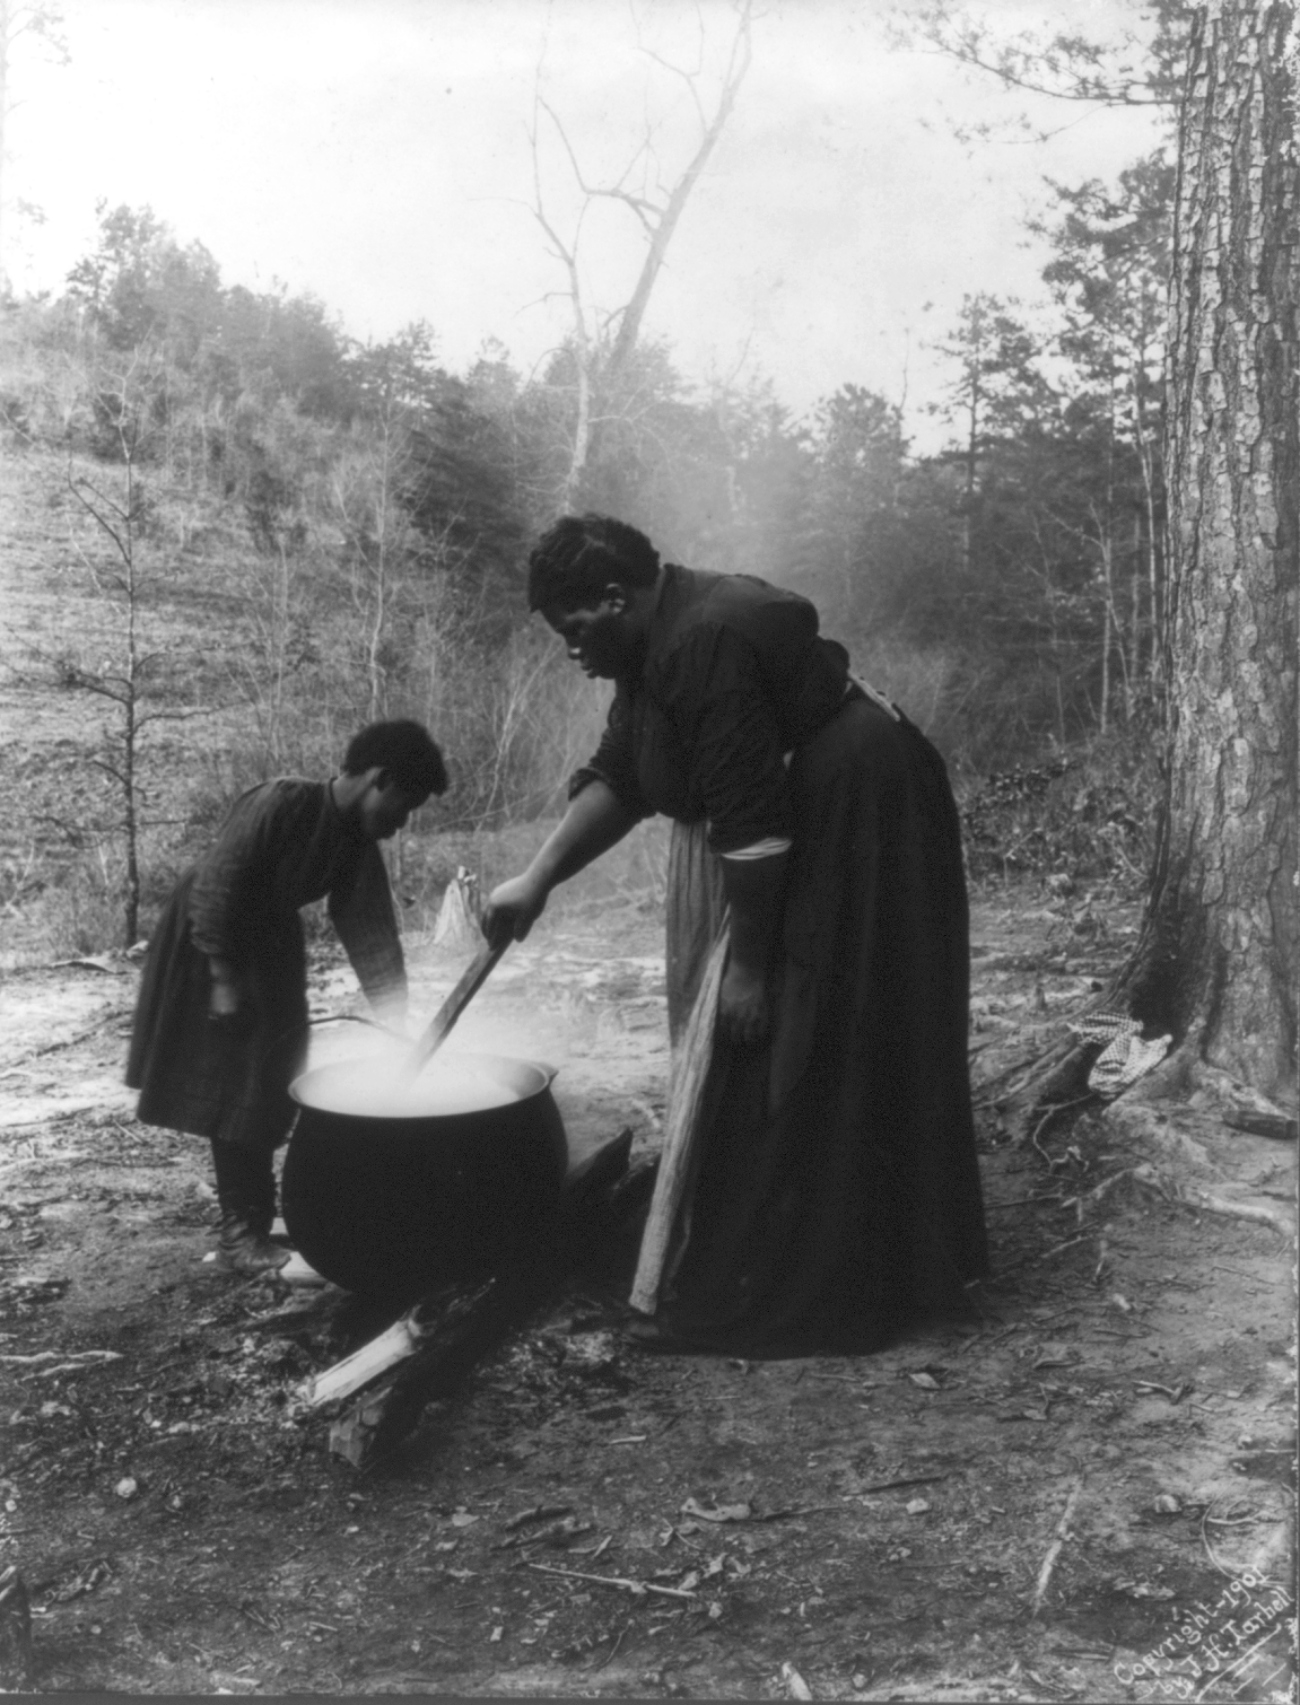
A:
{"points": [[595, 821]]}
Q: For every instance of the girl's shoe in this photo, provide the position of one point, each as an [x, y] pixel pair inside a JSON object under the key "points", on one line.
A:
{"points": [[240, 1249]]}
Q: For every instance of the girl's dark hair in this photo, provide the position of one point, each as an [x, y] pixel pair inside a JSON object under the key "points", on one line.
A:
{"points": [[405, 749], [576, 559]]}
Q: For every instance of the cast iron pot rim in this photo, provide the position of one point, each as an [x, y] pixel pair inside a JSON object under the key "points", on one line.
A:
{"points": [[546, 1075]]}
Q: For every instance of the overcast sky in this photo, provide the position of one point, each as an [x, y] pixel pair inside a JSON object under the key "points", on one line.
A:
{"points": [[376, 153]]}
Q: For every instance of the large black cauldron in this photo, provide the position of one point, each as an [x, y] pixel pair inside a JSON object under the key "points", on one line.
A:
{"points": [[391, 1207]]}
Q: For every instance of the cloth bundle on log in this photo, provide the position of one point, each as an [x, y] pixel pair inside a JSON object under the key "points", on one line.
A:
{"points": [[458, 915]]}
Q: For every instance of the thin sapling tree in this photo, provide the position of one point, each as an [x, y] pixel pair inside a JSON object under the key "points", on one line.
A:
{"points": [[136, 681]]}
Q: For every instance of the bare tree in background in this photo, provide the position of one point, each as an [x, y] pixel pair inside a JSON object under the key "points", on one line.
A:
{"points": [[114, 661], [603, 346]]}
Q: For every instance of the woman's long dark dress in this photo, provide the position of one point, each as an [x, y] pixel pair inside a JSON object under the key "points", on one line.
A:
{"points": [[283, 845], [837, 1192]]}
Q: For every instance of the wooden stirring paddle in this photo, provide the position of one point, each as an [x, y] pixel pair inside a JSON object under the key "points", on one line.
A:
{"points": [[440, 1024]]}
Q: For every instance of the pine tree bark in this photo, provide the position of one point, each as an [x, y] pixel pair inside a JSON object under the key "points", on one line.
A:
{"points": [[1219, 956]]}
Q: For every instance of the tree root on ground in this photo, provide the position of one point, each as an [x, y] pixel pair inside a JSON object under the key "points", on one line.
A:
{"points": [[1199, 1137], [1189, 1196], [1184, 1108]]}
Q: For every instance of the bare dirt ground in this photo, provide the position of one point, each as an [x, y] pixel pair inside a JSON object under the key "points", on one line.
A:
{"points": [[1085, 1494]]}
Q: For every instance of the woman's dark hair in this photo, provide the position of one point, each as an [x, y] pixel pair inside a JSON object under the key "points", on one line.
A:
{"points": [[576, 559], [405, 749]]}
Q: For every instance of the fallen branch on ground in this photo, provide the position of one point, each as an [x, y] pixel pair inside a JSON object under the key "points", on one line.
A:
{"points": [[1258, 1212], [68, 1357], [636, 1588], [1098, 1191], [1274, 1125], [1059, 1248], [1055, 1548], [908, 1480], [795, 1685], [1051, 1113]]}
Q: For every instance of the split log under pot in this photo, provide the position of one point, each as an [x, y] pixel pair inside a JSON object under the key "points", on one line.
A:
{"points": [[393, 1203]]}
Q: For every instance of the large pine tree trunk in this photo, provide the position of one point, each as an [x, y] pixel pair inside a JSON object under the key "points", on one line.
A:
{"points": [[1220, 952]]}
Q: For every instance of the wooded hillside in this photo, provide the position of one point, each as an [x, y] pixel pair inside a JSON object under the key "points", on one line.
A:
{"points": [[258, 533]]}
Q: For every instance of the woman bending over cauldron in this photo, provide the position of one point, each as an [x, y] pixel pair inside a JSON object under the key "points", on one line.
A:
{"points": [[836, 1190], [221, 1019]]}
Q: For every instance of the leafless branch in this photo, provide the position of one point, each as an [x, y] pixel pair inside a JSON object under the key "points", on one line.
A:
{"points": [[101, 515], [738, 63], [658, 219]]}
